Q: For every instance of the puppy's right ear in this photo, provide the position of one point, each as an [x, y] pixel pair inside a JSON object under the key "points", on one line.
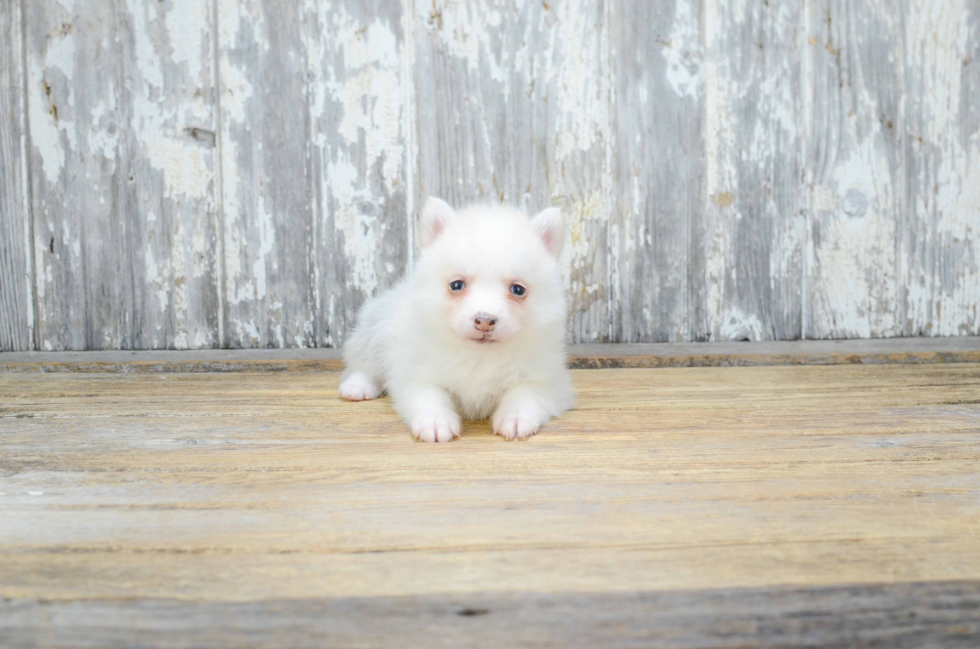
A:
{"points": [[435, 217]]}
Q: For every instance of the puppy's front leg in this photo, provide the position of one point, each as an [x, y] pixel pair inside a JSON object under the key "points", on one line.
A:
{"points": [[428, 410], [522, 412]]}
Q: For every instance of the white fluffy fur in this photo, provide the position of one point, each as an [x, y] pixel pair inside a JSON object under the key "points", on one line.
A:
{"points": [[417, 341]]}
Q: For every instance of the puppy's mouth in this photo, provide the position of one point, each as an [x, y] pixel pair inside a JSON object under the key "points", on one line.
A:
{"points": [[484, 340]]}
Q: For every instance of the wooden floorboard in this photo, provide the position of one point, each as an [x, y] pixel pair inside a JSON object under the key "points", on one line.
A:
{"points": [[890, 616], [735, 506], [882, 351]]}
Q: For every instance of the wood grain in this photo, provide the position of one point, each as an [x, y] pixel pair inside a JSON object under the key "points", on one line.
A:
{"points": [[657, 274], [267, 185], [770, 504], [241, 486], [896, 616], [122, 132], [854, 168], [361, 90], [315, 108], [755, 227], [941, 222], [16, 276]]}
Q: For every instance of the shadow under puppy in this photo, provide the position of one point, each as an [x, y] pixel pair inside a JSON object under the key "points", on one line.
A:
{"points": [[476, 330]]}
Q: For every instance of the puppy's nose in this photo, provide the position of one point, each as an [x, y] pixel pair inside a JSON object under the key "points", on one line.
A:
{"points": [[484, 322]]}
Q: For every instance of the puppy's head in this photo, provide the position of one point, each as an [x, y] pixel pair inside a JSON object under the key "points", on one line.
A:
{"points": [[490, 274]]}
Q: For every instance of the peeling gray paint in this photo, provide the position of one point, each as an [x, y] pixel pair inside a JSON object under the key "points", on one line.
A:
{"points": [[238, 173], [123, 204], [267, 214], [657, 230], [363, 124], [16, 292], [854, 101], [941, 234], [754, 221]]}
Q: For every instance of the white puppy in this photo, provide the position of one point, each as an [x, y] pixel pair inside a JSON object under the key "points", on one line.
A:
{"points": [[477, 329]]}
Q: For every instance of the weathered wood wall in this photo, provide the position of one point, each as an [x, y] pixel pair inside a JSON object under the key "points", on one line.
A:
{"points": [[245, 173]]}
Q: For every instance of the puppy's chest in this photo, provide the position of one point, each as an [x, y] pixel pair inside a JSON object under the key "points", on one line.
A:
{"points": [[477, 384]]}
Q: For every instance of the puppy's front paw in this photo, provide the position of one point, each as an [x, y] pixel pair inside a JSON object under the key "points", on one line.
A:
{"points": [[518, 424], [358, 387], [436, 427]]}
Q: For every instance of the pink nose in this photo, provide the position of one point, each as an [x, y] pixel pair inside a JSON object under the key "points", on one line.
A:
{"points": [[484, 322]]}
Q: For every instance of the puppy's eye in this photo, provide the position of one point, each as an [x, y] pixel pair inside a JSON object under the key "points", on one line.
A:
{"points": [[518, 290], [456, 285]]}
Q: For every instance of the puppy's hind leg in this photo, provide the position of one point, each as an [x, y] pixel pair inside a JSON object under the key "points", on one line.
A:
{"points": [[358, 387], [362, 378]]}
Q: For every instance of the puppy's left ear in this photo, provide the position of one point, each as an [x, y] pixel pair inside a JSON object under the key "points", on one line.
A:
{"points": [[435, 216], [550, 226]]}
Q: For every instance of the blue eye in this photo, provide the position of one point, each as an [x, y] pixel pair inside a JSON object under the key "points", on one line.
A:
{"points": [[518, 290], [456, 285]]}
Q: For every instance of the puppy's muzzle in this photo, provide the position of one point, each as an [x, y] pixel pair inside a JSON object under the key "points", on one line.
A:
{"points": [[484, 322]]}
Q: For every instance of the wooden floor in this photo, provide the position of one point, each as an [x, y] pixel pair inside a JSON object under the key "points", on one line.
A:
{"points": [[740, 506]]}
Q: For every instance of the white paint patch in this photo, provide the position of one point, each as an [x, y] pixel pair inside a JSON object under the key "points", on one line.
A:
{"points": [[53, 130], [853, 263], [737, 325], [103, 136], [186, 167], [368, 94], [683, 52], [563, 62], [236, 93], [148, 60], [266, 232], [576, 59], [202, 340], [161, 125], [155, 278], [943, 284], [189, 44], [248, 331], [180, 340], [719, 142], [466, 30]]}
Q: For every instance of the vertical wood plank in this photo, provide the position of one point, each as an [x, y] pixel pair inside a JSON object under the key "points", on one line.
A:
{"points": [[755, 225], [360, 92], [16, 290], [579, 153], [122, 131], [658, 236], [941, 237], [268, 257], [854, 168], [513, 106]]}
